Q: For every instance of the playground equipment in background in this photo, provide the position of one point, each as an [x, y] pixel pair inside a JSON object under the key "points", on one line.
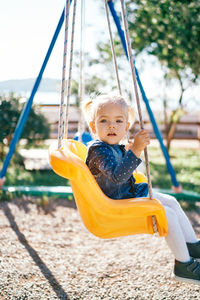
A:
{"points": [[85, 137]]}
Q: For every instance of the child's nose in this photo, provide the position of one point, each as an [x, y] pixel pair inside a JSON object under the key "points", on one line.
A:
{"points": [[111, 124]]}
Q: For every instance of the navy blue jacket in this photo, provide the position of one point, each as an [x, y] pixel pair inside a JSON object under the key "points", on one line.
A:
{"points": [[112, 167]]}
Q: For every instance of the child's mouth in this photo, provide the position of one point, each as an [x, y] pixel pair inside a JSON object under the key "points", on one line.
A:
{"points": [[111, 134]]}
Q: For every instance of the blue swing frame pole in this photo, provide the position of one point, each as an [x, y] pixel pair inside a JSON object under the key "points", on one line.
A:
{"points": [[151, 116], [27, 107]]}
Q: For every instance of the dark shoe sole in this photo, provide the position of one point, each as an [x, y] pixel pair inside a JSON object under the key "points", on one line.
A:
{"points": [[186, 280]]}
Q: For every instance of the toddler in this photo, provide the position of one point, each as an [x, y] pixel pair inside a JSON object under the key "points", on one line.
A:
{"points": [[112, 164]]}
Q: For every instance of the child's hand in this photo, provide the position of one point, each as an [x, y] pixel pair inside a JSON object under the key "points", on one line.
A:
{"points": [[141, 141]]}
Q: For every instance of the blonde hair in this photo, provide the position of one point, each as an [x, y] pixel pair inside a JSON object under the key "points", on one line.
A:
{"points": [[91, 106]]}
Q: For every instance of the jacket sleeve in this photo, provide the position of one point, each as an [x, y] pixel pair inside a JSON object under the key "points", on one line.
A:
{"points": [[102, 159]]}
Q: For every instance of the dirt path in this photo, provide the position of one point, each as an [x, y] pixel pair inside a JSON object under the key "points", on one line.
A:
{"points": [[52, 256]]}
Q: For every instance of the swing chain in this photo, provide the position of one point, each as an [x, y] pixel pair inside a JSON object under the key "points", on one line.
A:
{"points": [[131, 60], [70, 69], [62, 114], [113, 48]]}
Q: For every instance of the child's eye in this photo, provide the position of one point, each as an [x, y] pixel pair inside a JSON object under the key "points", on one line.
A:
{"points": [[119, 121], [103, 121]]}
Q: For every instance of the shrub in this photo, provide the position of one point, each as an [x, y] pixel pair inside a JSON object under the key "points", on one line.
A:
{"points": [[35, 129]]}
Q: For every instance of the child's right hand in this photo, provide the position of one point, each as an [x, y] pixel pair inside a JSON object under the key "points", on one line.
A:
{"points": [[140, 142]]}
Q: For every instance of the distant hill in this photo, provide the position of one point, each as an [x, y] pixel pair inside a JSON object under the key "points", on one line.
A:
{"points": [[26, 85]]}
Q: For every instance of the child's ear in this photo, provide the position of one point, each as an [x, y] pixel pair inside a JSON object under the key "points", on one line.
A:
{"points": [[92, 127], [127, 126]]}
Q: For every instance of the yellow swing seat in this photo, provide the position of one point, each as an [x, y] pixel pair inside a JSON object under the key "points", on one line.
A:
{"points": [[102, 216]]}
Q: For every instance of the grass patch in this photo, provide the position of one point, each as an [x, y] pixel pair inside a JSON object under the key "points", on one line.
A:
{"points": [[17, 175], [186, 163]]}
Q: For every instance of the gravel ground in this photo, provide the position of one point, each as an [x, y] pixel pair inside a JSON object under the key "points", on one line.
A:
{"points": [[48, 254]]}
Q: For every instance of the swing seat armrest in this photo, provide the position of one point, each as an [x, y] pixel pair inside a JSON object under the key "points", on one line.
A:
{"points": [[61, 164]]}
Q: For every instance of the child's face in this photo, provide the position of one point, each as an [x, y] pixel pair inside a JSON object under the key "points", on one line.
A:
{"points": [[111, 123]]}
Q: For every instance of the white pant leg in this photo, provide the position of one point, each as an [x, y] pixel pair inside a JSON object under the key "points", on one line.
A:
{"points": [[185, 224], [175, 238]]}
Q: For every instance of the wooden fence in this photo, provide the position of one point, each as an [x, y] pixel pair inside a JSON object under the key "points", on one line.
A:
{"points": [[184, 130], [188, 128]]}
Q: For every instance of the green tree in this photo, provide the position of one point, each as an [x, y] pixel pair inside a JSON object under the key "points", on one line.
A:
{"points": [[169, 30], [36, 127]]}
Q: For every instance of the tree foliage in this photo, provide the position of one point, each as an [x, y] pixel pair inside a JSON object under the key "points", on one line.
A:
{"points": [[168, 29], [36, 127]]}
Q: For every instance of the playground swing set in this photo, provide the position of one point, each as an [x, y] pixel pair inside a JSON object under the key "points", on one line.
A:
{"points": [[102, 216]]}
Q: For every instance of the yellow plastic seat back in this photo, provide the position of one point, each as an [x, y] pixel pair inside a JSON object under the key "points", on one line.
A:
{"points": [[102, 216]]}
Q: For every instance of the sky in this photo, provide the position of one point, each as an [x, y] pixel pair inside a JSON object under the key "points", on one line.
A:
{"points": [[27, 27]]}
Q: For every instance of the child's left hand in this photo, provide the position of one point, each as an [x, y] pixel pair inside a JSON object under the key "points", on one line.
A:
{"points": [[140, 142]]}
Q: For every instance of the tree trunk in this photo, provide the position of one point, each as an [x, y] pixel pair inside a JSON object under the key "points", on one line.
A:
{"points": [[170, 135], [166, 125]]}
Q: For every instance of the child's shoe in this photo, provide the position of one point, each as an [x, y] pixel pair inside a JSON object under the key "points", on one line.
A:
{"points": [[194, 249], [187, 272]]}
